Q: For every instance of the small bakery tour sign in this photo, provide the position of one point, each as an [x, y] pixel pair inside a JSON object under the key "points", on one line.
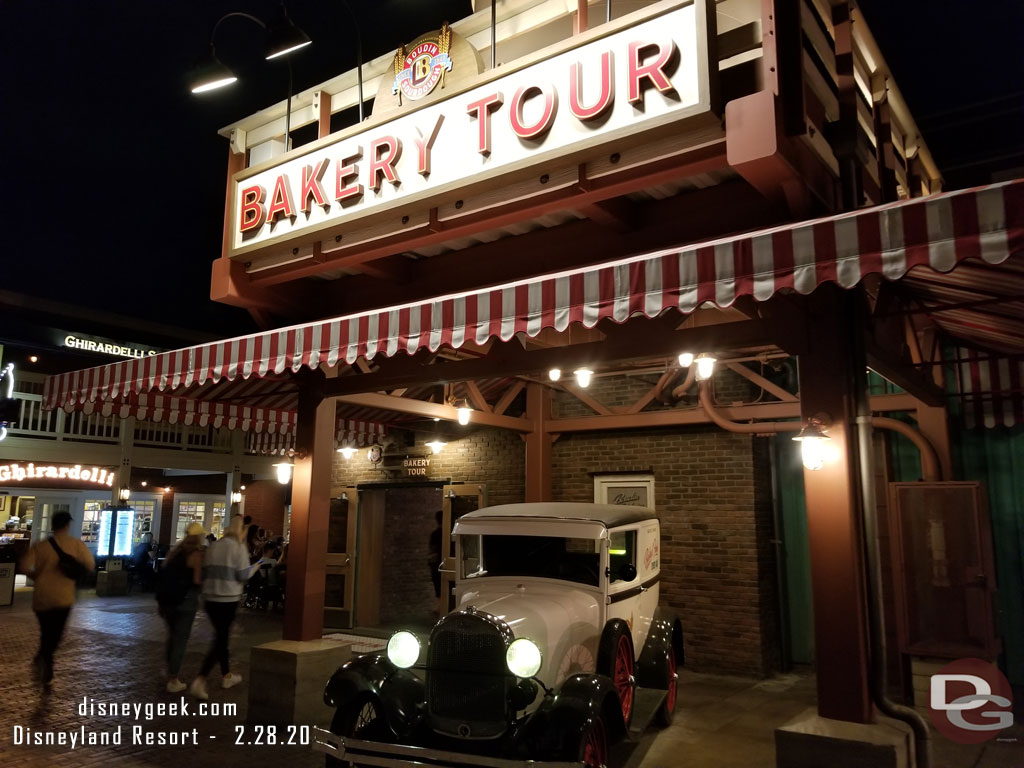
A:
{"points": [[581, 103], [64, 474], [416, 466]]}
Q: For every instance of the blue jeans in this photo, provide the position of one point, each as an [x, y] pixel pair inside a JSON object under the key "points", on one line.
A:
{"points": [[179, 626]]}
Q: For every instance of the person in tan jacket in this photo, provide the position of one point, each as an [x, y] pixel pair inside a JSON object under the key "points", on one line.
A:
{"points": [[54, 593]]}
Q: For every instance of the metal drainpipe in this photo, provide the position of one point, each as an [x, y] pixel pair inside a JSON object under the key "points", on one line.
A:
{"points": [[876, 616]]}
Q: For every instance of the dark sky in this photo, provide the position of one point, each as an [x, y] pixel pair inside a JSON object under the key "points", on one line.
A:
{"points": [[112, 174]]}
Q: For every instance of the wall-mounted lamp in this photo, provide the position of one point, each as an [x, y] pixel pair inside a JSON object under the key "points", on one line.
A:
{"points": [[167, 489], [705, 366], [464, 411], [436, 445], [686, 359], [236, 497], [813, 442], [347, 451], [284, 471], [555, 374], [583, 376], [124, 493], [241, 487]]}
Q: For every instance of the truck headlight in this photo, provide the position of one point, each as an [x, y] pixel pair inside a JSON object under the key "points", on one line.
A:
{"points": [[523, 658], [403, 649]]}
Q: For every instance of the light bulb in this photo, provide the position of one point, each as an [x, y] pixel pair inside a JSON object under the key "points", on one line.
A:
{"points": [[686, 359], [555, 374], [284, 472], [812, 452], [436, 446], [464, 415], [347, 451], [583, 376], [705, 367]]}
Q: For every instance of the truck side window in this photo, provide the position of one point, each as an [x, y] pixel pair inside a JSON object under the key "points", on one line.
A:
{"points": [[622, 556]]}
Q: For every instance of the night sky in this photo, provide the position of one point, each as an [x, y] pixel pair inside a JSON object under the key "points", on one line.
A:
{"points": [[112, 174]]}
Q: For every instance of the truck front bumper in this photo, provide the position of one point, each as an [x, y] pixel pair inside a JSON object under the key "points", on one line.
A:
{"points": [[401, 755]]}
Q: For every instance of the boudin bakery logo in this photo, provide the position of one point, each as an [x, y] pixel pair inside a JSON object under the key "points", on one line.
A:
{"points": [[417, 73]]}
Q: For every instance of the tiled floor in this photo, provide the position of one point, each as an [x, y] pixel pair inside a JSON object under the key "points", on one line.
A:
{"points": [[113, 653]]}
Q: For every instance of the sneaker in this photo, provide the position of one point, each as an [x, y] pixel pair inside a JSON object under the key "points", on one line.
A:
{"points": [[174, 685], [198, 688], [231, 680]]}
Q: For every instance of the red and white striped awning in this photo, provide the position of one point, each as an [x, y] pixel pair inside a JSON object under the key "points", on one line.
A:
{"points": [[990, 387], [351, 433], [986, 224]]}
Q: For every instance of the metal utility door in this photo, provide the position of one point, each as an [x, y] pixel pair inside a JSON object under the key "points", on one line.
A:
{"points": [[457, 501], [945, 573], [339, 587]]}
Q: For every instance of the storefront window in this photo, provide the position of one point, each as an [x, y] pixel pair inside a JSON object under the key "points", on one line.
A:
{"points": [[189, 512], [217, 524], [91, 522], [144, 510]]}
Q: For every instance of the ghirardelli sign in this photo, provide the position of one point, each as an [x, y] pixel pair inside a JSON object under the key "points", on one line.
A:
{"points": [[590, 96]]}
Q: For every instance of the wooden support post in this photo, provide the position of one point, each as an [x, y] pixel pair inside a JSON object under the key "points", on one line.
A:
{"points": [[933, 423], [311, 485], [538, 443], [830, 373]]}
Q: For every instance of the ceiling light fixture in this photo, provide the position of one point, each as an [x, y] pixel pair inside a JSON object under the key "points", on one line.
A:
{"points": [[555, 374], [436, 445], [812, 439], [583, 376], [686, 359], [705, 366]]}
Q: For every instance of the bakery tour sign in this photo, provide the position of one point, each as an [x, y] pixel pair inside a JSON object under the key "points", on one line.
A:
{"points": [[583, 102]]}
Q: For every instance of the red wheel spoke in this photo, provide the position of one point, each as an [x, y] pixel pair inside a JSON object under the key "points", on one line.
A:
{"points": [[671, 680], [623, 675]]}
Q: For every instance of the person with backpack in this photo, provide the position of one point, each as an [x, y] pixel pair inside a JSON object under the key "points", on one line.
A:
{"points": [[177, 595], [55, 565]]}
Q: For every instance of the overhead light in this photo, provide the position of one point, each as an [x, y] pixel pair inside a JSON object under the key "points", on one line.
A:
{"points": [[436, 445], [284, 471], [812, 439], [583, 376], [143, 483], [464, 411], [167, 489], [33, 358], [210, 73], [555, 374], [236, 497], [686, 359], [241, 487], [705, 366], [347, 451], [283, 36], [124, 494]]}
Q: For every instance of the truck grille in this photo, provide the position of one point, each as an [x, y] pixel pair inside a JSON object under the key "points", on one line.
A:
{"points": [[467, 680]]}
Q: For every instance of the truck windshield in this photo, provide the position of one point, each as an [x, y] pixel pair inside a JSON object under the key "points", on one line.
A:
{"points": [[547, 557]]}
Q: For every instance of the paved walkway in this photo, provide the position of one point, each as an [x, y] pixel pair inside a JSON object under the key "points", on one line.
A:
{"points": [[113, 654]]}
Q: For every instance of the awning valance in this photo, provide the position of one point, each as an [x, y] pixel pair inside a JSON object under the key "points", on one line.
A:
{"points": [[351, 433], [940, 231]]}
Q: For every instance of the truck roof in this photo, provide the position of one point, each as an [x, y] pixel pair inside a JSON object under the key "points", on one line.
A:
{"points": [[611, 515]]}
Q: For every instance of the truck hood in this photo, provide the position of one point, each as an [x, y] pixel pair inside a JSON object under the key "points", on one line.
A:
{"points": [[562, 620]]}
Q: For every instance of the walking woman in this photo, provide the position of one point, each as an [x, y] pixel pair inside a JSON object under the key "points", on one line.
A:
{"points": [[54, 592], [226, 568], [178, 596]]}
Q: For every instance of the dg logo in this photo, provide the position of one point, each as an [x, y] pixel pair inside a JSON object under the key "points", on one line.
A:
{"points": [[970, 701]]}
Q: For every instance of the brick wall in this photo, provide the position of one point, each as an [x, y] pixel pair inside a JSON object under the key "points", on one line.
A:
{"points": [[713, 495], [264, 501], [410, 517]]}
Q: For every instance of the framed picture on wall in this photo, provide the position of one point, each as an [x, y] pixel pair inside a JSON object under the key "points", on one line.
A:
{"points": [[629, 490]]}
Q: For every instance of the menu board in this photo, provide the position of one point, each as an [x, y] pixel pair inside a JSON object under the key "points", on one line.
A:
{"points": [[122, 532]]}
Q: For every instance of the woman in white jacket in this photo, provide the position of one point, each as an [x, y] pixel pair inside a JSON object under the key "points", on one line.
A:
{"points": [[226, 568]]}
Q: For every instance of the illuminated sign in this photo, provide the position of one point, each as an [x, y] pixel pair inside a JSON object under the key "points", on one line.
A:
{"points": [[107, 347], [122, 532], [603, 96], [19, 473]]}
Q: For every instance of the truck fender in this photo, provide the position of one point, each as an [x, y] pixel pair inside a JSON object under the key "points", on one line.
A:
{"points": [[557, 726], [666, 632], [400, 693]]}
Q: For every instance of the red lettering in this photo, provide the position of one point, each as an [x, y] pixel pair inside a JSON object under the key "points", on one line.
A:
{"points": [[347, 169], [576, 89], [253, 212], [281, 203], [311, 187], [481, 110], [384, 153], [515, 114], [423, 146], [654, 72]]}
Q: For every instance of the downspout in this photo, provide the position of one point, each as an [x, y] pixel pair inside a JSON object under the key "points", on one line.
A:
{"points": [[687, 382], [876, 617]]}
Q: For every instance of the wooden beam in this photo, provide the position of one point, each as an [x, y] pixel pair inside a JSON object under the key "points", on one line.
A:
{"points": [[510, 394], [643, 402], [476, 397], [433, 410], [762, 382], [618, 213], [394, 268], [597, 407], [883, 362]]}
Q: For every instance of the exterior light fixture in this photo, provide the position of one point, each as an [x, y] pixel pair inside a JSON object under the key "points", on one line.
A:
{"points": [[124, 493], [284, 471], [33, 358], [241, 487], [236, 497], [812, 439], [347, 451], [167, 489], [583, 376], [705, 366], [143, 483], [555, 374], [283, 36], [464, 411], [436, 445], [210, 73], [686, 359]]}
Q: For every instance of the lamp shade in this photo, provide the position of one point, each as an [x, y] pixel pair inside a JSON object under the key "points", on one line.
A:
{"points": [[210, 73], [284, 37]]}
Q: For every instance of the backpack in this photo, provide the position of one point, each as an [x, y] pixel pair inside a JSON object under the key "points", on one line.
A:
{"points": [[173, 581], [70, 567]]}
